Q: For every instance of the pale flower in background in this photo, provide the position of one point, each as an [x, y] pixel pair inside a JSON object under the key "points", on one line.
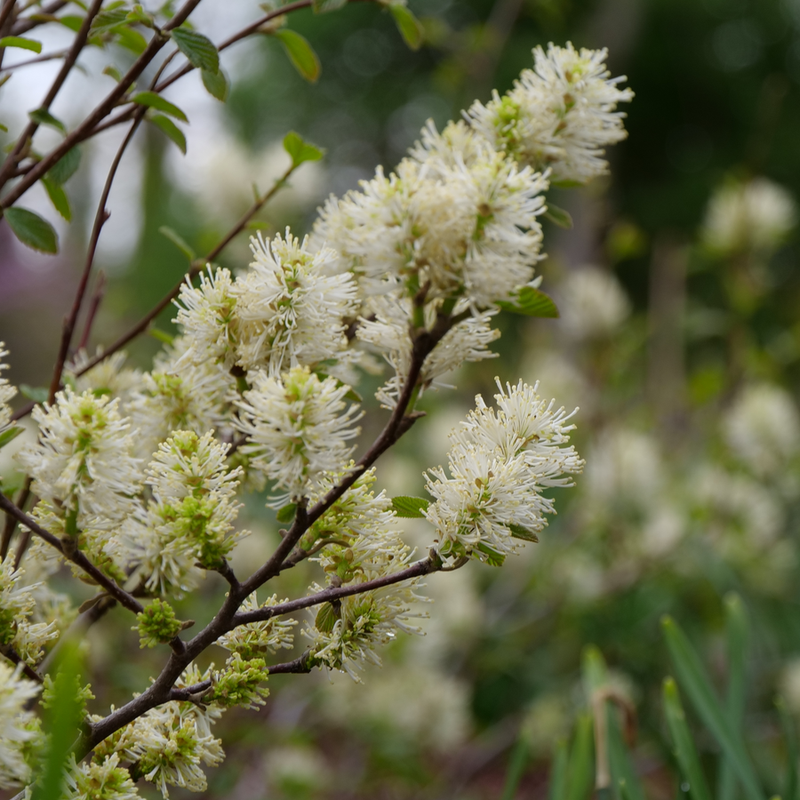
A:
{"points": [[592, 303], [756, 214], [7, 391]]}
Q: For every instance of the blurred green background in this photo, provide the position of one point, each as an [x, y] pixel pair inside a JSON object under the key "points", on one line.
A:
{"points": [[679, 340]]}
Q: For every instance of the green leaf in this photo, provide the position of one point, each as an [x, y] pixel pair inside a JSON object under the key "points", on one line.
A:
{"points": [[58, 197], [300, 54], [299, 149], [790, 791], [409, 26], [580, 766], [622, 769], [156, 101], [112, 72], [694, 681], [594, 671], [493, 558], [216, 84], [286, 514], [178, 241], [324, 6], [558, 771], [131, 40], [161, 336], [736, 628], [71, 21], [410, 507], [520, 756], [41, 116], [107, 21], [3, 128], [9, 434], [685, 751], [558, 216], [199, 49], [532, 303], [38, 394], [518, 532], [22, 43], [171, 129], [66, 166], [31, 229]]}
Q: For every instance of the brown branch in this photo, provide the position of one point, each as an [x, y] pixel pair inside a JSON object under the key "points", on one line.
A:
{"points": [[8, 651], [194, 271], [77, 557], [299, 665], [100, 219], [11, 522], [38, 60], [94, 305], [25, 24]]}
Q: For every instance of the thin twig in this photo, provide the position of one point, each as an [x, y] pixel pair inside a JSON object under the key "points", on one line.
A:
{"points": [[99, 220], [8, 651], [298, 665], [25, 24], [37, 60], [94, 305], [74, 555], [11, 522]]}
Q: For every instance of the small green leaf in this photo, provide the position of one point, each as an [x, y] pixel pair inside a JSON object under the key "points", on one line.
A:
{"points": [[107, 21], [31, 229], [157, 102], [58, 197], [299, 149], [8, 435], [171, 129], [216, 84], [38, 394], [410, 507], [558, 216], [71, 21], [286, 514], [41, 116], [300, 54], [65, 167], [532, 303], [409, 26], [112, 72], [327, 617], [493, 558], [161, 336], [518, 532], [22, 43], [323, 6], [178, 241], [685, 751], [3, 128], [131, 40], [199, 49]]}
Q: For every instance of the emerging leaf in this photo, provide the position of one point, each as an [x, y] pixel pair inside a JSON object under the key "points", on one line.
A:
{"points": [[299, 149], [558, 216], [286, 514], [42, 116], [300, 53], [410, 507], [532, 303]]}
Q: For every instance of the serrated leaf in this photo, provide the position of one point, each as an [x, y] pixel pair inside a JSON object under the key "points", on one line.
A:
{"points": [[300, 53], [409, 26], [38, 394], [518, 532], [131, 40], [199, 49], [299, 149], [41, 116], [410, 507], [532, 303], [156, 101], [216, 84], [558, 216], [178, 241], [106, 21], [31, 229], [171, 129], [8, 435], [327, 617], [112, 72], [324, 6], [286, 514], [22, 43], [493, 558], [65, 167], [58, 197]]}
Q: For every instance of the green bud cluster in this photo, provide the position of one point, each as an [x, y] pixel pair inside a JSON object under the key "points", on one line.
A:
{"points": [[157, 624]]}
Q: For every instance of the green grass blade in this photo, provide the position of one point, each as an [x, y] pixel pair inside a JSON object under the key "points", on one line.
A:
{"points": [[520, 756], [790, 791], [695, 682], [558, 772], [580, 771], [685, 751], [622, 770]]}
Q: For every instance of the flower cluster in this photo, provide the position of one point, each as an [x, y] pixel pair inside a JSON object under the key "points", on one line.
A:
{"points": [[20, 727], [499, 464], [7, 391]]}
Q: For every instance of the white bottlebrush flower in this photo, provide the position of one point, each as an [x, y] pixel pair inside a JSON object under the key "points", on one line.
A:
{"points": [[7, 391], [100, 780], [756, 214], [298, 427], [559, 116], [499, 465], [83, 464], [594, 304], [455, 225], [291, 310], [256, 639], [207, 316], [19, 728], [762, 427]]}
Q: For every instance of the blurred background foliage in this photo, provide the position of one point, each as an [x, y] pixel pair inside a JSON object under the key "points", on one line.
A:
{"points": [[679, 339]]}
